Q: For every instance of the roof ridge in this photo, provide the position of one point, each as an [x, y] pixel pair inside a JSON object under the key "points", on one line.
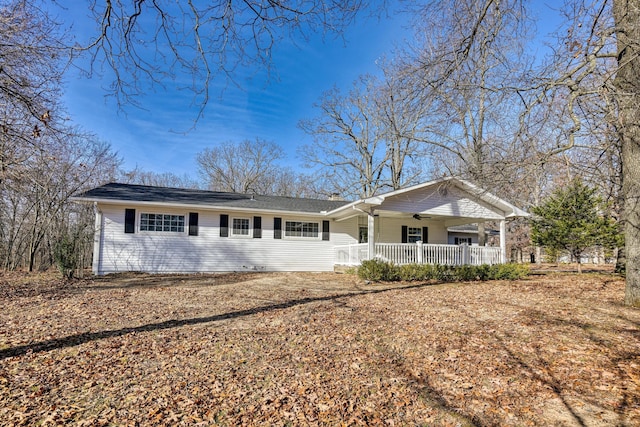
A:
{"points": [[114, 183]]}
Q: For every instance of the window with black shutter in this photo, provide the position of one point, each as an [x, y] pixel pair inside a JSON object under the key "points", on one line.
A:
{"points": [[129, 220], [193, 223], [325, 230], [277, 228], [224, 225], [257, 227]]}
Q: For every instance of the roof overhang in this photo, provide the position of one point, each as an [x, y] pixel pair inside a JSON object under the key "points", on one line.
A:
{"points": [[370, 204], [193, 206]]}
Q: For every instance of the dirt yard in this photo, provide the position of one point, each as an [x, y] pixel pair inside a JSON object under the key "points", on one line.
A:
{"points": [[317, 349]]}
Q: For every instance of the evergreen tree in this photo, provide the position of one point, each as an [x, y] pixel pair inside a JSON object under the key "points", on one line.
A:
{"points": [[574, 219]]}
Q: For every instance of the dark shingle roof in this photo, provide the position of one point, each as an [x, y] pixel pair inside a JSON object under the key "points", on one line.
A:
{"points": [[144, 193]]}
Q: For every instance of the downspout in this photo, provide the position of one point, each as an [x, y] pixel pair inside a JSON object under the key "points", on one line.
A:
{"points": [[96, 265]]}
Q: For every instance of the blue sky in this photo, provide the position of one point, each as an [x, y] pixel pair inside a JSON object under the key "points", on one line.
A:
{"points": [[154, 138], [158, 138]]}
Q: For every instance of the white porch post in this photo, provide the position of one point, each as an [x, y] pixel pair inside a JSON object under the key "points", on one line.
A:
{"points": [[503, 241], [466, 259], [371, 239]]}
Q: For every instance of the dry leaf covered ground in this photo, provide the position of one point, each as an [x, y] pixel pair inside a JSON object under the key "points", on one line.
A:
{"points": [[317, 349]]}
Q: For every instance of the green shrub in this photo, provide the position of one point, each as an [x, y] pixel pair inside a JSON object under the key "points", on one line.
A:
{"points": [[377, 271], [482, 271], [412, 272], [350, 270], [381, 271], [442, 272], [65, 254], [508, 271], [466, 273]]}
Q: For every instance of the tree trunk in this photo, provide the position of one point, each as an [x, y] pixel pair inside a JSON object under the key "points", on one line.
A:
{"points": [[482, 235], [627, 19], [621, 262]]}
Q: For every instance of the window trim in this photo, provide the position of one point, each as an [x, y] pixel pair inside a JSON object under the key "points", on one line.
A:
{"points": [[467, 240], [318, 229], [184, 225], [232, 228], [363, 234], [414, 234]]}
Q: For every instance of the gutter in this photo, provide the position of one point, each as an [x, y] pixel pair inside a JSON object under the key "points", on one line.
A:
{"points": [[196, 207]]}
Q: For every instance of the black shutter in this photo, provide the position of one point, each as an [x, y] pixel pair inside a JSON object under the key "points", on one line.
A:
{"points": [[277, 228], [129, 220], [193, 223], [425, 234], [325, 230], [257, 227], [405, 234], [224, 225]]}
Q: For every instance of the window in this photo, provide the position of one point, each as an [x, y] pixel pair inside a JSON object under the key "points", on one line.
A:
{"points": [[301, 229], [240, 227], [162, 222], [462, 240], [414, 234], [363, 234]]}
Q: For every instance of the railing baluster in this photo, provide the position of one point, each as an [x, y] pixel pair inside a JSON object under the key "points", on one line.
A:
{"points": [[405, 253]]}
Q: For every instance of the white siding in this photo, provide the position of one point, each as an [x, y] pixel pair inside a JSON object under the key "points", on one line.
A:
{"points": [[389, 230], [208, 252], [453, 235], [452, 202]]}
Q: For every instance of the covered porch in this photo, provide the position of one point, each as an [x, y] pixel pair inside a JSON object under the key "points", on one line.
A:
{"points": [[411, 225]]}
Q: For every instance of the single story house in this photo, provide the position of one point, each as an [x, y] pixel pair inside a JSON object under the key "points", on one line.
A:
{"points": [[173, 230]]}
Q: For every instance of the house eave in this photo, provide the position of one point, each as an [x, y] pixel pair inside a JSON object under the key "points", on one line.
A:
{"points": [[195, 206]]}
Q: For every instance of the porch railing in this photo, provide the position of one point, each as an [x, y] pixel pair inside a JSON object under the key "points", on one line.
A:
{"points": [[418, 253], [350, 254]]}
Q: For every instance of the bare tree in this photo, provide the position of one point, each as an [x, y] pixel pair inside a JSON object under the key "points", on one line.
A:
{"points": [[43, 161], [287, 182], [347, 143], [583, 78], [165, 179], [35, 208], [401, 114], [595, 61], [469, 81], [627, 83], [366, 141], [249, 166], [30, 76], [198, 42]]}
